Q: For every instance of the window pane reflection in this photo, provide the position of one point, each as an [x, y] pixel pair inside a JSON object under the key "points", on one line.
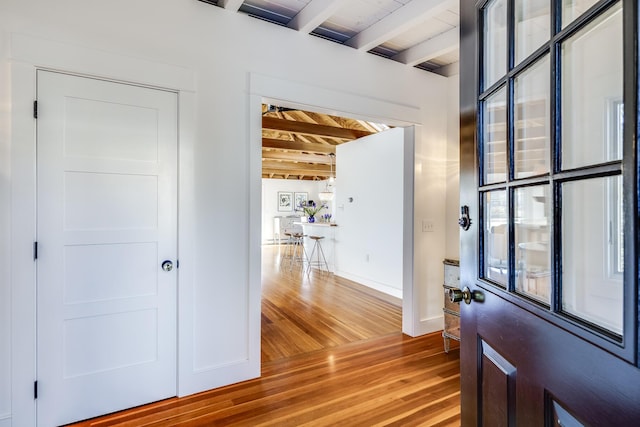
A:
{"points": [[532, 206], [494, 137], [495, 41], [495, 237], [571, 9], [531, 113], [532, 26], [591, 89], [592, 282]]}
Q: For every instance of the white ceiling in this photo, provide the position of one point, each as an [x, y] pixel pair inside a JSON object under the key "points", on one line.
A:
{"points": [[418, 33]]}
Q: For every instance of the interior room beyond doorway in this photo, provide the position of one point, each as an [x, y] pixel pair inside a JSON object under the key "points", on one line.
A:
{"points": [[303, 309]]}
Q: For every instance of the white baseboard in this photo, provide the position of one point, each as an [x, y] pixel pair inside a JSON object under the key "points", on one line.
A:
{"points": [[427, 326], [389, 290], [5, 420]]}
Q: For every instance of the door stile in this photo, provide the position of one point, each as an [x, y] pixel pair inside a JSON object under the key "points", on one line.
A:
{"points": [[469, 163], [631, 175]]}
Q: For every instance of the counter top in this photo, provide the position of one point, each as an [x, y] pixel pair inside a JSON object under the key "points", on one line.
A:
{"points": [[317, 224]]}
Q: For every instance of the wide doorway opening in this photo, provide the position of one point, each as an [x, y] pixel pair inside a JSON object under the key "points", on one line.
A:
{"points": [[328, 282]]}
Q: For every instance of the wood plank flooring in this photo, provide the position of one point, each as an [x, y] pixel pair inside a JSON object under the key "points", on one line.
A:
{"points": [[306, 312], [333, 355]]}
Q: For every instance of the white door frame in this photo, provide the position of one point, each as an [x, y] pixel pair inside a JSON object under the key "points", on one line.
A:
{"points": [[27, 55], [294, 94]]}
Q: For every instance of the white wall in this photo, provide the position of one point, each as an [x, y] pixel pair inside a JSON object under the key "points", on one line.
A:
{"points": [[5, 295], [218, 182], [369, 237], [452, 229]]}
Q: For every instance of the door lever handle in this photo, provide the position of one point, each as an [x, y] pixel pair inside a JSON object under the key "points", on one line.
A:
{"points": [[466, 295]]}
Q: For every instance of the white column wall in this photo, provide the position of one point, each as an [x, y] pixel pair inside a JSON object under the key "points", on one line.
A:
{"points": [[369, 206], [218, 200]]}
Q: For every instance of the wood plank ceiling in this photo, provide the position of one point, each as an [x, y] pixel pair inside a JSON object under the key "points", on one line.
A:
{"points": [[416, 33], [299, 144]]}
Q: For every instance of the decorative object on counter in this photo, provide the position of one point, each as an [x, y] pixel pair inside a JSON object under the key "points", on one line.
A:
{"points": [[311, 209], [326, 217], [285, 201]]}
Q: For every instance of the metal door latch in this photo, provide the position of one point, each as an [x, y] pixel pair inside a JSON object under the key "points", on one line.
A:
{"points": [[466, 295], [464, 221]]}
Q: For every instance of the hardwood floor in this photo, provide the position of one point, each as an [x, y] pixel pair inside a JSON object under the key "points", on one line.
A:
{"points": [[303, 313], [333, 355]]}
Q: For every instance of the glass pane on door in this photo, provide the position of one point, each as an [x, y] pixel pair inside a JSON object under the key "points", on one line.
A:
{"points": [[532, 24], [532, 233], [593, 265], [494, 137], [591, 88], [495, 41], [531, 120], [496, 245], [571, 9]]}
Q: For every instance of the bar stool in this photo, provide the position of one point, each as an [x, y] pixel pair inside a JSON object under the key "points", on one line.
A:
{"points": [[319, 252], [285, 254], [298, 254]]}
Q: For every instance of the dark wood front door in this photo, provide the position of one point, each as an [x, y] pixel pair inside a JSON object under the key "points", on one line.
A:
{"points": [[549, 174]]}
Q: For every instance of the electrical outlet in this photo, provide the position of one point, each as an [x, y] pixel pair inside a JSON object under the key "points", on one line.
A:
{"points": [[427, 226], [366, 258]]}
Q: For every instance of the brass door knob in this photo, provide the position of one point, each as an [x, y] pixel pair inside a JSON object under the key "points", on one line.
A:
{"points": [[466, 295]]}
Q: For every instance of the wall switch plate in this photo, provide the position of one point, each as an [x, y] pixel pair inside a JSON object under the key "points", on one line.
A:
{"points": [[427, 226]]}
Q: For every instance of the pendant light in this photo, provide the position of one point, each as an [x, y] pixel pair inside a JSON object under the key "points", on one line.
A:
{"points": [[327, 194]]}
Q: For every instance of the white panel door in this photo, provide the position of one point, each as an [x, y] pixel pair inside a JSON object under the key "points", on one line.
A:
{"points": [[107, 219]]}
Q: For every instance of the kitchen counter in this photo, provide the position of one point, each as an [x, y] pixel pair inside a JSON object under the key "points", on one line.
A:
{"points": [[326, 230]]}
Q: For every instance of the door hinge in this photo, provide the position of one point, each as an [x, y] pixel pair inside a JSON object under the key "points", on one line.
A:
{"points": [[35, 251], [35, 109], [35, 389]]}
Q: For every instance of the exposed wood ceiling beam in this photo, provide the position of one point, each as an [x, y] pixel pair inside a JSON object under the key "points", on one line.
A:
{"points": [[448, 70], [312, 129], [278, 175], [314, 14], [296, 168], [296, 157], [281, 168], [398, 22], [298, 146], [232, 5], [429, 49]]}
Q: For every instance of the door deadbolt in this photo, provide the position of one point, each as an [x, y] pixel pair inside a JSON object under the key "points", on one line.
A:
{"points": [[465, 220]]}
